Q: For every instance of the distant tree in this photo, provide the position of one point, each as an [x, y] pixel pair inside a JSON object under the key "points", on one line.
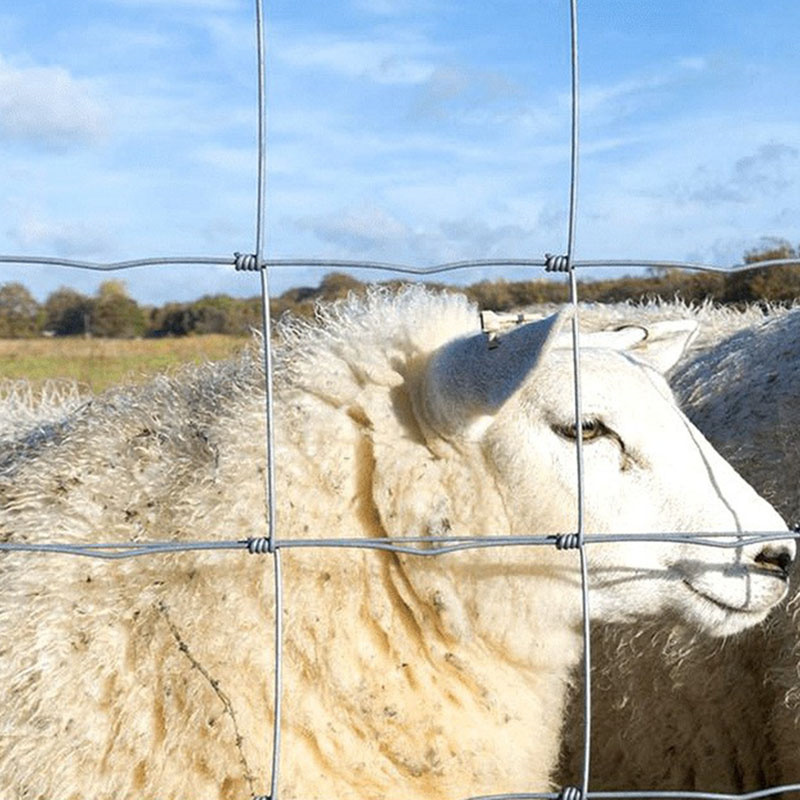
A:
{"points": [[114, 313], [209, 314], [20, 314], [771, 250], [224, 314], [67, 312], [172, 319], [336, 285], [778, 284]]}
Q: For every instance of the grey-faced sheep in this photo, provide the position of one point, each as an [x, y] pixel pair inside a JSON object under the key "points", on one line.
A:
{"points": [[404, 676], [678, 711]]}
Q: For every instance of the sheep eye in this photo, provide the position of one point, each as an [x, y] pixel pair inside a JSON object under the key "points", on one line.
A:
{"points": [[590, 429], [593, 429]]}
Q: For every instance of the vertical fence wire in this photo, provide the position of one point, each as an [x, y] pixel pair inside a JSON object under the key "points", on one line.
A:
{"points": [[576, 371], [269, 400], [266, 321], [276, 729]]}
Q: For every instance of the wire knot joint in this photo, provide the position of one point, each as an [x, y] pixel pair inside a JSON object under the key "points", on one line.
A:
{"points": [[568, 541], [259, 545], [556, 263], [246, 262], [570, 793]]}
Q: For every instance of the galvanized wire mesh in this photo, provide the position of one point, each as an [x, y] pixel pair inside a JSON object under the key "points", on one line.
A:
{"points": [[423, 546]]}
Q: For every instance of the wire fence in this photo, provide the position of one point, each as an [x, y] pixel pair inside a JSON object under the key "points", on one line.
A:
{"points": [[423, 546]]}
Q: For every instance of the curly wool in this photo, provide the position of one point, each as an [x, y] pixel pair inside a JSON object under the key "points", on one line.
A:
{"points": [[145, 678], [150, 677]]}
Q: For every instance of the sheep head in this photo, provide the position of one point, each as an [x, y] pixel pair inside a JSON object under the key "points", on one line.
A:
{"points": [[509, 412]]}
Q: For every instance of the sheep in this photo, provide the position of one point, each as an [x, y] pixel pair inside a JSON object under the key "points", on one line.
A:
{"points": [[714, 322], [404, 676], [23, 405], [677, 711]]}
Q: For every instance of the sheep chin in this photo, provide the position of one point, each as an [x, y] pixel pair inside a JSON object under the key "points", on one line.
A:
{"points": [[718, 609]]}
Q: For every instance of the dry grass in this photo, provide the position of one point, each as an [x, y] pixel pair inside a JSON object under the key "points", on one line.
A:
{"points": [[100, 363]]}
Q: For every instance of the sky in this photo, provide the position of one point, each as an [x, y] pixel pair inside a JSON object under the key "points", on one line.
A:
{"points": [[411, 131]]}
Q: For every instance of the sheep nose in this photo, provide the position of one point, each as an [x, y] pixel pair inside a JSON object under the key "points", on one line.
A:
{"points": [[777, 558]]}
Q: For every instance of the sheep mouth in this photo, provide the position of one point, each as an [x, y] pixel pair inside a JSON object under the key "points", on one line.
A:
{"points": [[720, 603]]}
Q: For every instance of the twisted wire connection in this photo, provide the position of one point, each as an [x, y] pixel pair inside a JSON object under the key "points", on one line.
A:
{"points": [[259, 545], [246, 262], [556, 263], [568, 541], [571, 793]]}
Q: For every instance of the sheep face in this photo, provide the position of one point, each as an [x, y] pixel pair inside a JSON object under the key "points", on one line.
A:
{"points": [[647, 469]]}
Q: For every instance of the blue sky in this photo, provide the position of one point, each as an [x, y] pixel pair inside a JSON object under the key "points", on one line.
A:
{"points": [[415, 131]]}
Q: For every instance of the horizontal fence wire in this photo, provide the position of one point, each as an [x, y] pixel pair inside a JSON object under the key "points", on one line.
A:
{"points": [[645, 795], [413, 545], [384, 266], [424, 546]]}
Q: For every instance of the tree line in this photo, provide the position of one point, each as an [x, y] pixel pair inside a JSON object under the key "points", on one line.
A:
{"points": [[112, 312]]}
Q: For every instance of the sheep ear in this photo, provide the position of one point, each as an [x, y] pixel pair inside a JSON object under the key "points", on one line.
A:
{"points": [[665, 343], [619, 339], [466, 382]]}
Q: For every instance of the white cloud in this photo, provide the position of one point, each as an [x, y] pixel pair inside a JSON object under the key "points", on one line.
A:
{"points": [[594, 98], [401, 60], [476, 96], [700, 195], [206, 5], [382, 7], [620, 98], [229, 159], [368, 228], [396, 235], [391, 8], [47, 106], [35, 234], [767, 172], [693, 63], [475, 238], [106, 44]]}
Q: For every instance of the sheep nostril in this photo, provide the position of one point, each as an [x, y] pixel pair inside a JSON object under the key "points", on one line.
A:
{"points": [[778, 559]]}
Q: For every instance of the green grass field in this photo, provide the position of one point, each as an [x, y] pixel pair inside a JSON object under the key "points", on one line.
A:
{"points": [[100, 363]]}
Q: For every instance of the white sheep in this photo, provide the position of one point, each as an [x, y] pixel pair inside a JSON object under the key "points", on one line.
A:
{"points": [[677, 711], [405, 676], [35, 407]]}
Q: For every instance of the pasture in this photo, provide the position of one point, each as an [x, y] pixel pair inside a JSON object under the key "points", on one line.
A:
{"points": [[101, 363]]}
